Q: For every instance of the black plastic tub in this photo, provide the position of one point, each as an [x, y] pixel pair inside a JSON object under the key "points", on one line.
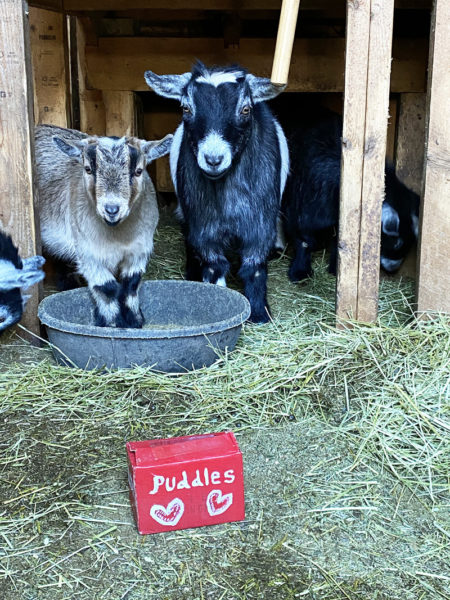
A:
{"points": [[186, 325]]}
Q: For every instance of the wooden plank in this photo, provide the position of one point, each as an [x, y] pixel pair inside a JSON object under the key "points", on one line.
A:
{"points": [[49, 53], [92, 112], [392, 129], [120, 5], [410, 149], [92, 107], [433, 290], [17, 208], [366, 103], [47, 4], [353, 136], [120, 114], [377, 108], [317, 64]]}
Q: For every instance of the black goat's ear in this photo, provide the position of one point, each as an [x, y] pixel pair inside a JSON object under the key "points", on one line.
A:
{"points": [[71, 149], [263, 89], [390, 221], [157, 148], [169, 86]]}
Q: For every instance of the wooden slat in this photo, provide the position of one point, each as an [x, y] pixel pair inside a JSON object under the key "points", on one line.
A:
{"points": [[49, 55], [369, 38], [17, 209], [118, 5], [317, 64], [433, 292], [120, 113], [353, 136], [377, 108], [411, 140]]}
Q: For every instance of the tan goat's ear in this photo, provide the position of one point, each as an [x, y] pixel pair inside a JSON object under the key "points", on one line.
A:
{"points": [[73, 149], [157, 148]]}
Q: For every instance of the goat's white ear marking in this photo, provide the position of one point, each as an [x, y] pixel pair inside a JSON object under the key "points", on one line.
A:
{"points": [[11, 278], [169, 86]]}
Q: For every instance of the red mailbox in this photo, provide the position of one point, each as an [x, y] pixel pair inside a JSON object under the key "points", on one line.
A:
{"points": [[186, 482]]}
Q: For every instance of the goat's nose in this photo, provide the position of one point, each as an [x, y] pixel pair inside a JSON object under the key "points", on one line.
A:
{"points": [[213, 160], [112, 209]]}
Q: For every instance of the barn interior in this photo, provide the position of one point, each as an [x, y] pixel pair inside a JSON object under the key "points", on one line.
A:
{"points": [[344, 432]]}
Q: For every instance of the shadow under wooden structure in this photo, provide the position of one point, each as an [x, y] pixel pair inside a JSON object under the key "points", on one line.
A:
{"points": [[86, 65]]}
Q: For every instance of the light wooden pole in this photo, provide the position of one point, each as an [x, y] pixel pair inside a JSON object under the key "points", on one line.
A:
{"points": [[285, 41]]}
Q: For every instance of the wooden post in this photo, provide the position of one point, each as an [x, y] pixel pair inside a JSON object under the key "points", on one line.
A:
{"points": [[285, 41], [49, 53], [433, 289], [17, 209], [366, 101]]}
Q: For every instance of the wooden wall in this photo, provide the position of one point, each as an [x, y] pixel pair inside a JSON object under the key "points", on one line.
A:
{"points": [[114, 44]]}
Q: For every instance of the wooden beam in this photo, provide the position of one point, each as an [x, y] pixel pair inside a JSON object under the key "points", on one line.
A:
{"points": [[49, 53], [56, 5], [433, 290], [366, 102], [17, 208], [317, 64], [120, 5]]}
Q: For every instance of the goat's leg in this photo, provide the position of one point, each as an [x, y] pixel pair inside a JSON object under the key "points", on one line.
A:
{"points": [[332, 265], [193, 264], [301, 265], [215, 269], [130, 279], [254, 276], [104, 290]]}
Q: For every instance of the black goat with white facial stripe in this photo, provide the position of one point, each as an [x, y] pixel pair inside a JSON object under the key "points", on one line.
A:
{"points": [[229, 162], [311, 199], [98, 209], [15, 275]]}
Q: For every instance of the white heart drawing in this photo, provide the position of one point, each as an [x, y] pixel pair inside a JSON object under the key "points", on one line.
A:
{"points": [[217, 503], [168, 515]]}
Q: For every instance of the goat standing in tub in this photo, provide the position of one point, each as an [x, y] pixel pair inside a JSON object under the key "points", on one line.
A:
{"points": [[15, 275], [98, 209], [229, 162]]}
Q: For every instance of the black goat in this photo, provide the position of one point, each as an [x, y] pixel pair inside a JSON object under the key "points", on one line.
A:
{"points": [[229, 162], [311, 200], [14, 275]]}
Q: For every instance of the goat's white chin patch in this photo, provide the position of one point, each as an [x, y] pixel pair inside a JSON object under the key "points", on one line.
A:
{"points": [[214, 155], [390, 265]]}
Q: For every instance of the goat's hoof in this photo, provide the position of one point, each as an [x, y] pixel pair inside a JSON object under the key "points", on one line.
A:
{"points": [[259, 317], [130, 321], [296, 275]]}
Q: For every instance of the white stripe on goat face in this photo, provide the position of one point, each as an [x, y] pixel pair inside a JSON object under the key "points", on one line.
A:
{"points": [[218, 78], [214, 154]]}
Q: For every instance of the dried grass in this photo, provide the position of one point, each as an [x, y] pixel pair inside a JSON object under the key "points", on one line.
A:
{"points": [[346, 444]]}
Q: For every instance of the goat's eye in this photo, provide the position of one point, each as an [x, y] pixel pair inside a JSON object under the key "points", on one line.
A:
{"points": [[186, 110], [245, 110], [88, 170], [138, 172]]}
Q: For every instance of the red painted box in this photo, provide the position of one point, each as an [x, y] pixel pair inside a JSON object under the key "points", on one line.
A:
{"points": [[186, 482]]}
